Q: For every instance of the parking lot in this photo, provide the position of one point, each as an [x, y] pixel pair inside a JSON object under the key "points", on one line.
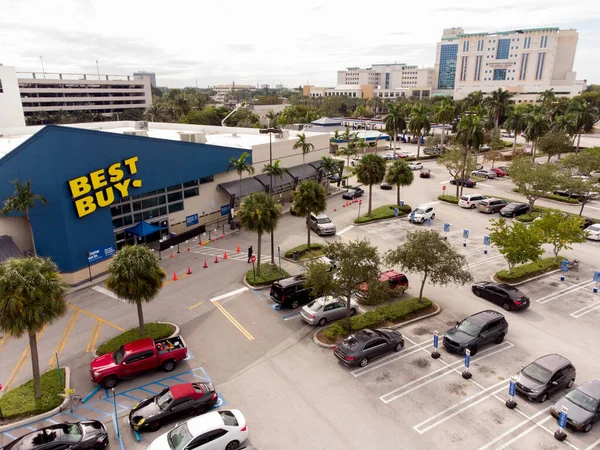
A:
{"points": [[431, 396]]}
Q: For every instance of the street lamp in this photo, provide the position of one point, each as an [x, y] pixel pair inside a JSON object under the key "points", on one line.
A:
{"points": [[271, 131]]}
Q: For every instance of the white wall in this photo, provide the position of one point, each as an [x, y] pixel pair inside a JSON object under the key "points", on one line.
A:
{"points": [[11, 109]]}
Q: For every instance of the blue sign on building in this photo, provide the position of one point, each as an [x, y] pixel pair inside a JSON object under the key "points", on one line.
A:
{"points": [[225, 210], [191, 220], [99, 254]]}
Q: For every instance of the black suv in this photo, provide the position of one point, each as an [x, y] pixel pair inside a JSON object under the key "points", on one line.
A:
{"points": [[475, 331], [290, 292]]}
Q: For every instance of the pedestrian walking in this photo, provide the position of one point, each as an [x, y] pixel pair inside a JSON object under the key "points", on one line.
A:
{"points": [[249, 253]]}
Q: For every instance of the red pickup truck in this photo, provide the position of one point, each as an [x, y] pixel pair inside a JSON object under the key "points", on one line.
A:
{"points": [[137, 357]]}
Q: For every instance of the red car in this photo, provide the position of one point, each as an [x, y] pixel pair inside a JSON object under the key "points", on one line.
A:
{"points": [[397, 281], [499, 172], [137, 357]]}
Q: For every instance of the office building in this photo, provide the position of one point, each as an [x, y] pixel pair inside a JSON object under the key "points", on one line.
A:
{"points": [[227, 88], [11, 109], [143, 73], [102, 179]]}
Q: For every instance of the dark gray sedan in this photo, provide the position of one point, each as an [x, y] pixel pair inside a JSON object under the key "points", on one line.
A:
{"points": [[583, 404], [365, 345]]}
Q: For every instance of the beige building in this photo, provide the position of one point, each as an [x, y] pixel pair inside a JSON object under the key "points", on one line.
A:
{"points": [[226, 88]]}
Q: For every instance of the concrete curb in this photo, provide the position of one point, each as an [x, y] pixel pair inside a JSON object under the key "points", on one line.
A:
{"points": [[254, 288], [175, 333], [380, 220], [401, 324], [493, 278], [45, 415]]}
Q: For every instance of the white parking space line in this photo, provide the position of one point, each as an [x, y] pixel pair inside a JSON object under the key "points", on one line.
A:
{"points": [[565, 291], [339, 233], [228, 294], [593, 445], [457, 412], [401, 392], [583, 311], [445, 182], [393, 357], [486, 185], [527, 431], [516, 427], [108, 293], [485, 261]]}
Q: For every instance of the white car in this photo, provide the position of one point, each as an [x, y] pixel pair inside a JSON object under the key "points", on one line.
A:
{"points": [[217, 430], [593, 232], [415, 165], [422, 213], [403, 154], [391, 155]]}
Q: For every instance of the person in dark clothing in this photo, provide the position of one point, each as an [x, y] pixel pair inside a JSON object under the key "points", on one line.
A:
{"points": [[249, 253]]}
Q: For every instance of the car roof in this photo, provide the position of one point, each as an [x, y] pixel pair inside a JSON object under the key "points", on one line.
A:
{"points": [[591, 388], [552, 361], [515, 204], [209, 421], [389, 274], [193, 390], [507, 287], [492, 199], [139, 345], [424, 205], [472, 195], [483, 317], [322, 216], [290, 281], [365, 334]]}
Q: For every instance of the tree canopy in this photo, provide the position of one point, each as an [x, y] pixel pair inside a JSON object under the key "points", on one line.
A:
{"points": [[517, 242]]}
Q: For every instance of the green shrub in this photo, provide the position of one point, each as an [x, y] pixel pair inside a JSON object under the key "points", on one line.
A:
{"points": [[378, 317], [20, 402], [315, 250], [528, 217], [558, 198], [268, 274], [383, 212], [529, 270], [153, 330], [448, 198], [406, 209]]}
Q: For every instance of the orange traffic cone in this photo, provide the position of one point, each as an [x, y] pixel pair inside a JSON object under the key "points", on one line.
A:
{"points": [[334, 210], [175, 276], [238, 248], [189, 272], [346, 203], [223, 236], [215, 240], [216, 259], [343, 206], [189, 249], [225, 255], [171, 255], [200, 244], [205, 265]]}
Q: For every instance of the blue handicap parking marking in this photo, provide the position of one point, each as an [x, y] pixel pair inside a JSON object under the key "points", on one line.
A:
{"points": [[188, 356], [290, 316], [220, 402], [138, 436], [276, 307]]}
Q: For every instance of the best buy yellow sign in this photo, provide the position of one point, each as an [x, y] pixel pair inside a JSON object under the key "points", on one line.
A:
{"points": [[101, 185]]}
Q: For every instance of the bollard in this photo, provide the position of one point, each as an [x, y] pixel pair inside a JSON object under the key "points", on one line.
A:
{"points": [[560, 434], [510, 403], [435, 354], [466, 374]]}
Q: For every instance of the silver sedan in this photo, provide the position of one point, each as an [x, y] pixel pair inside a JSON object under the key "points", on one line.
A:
{"points": [[326, 309]]}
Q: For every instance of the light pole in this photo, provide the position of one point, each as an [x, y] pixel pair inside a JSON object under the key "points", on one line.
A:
{"points": [[271, 131]]}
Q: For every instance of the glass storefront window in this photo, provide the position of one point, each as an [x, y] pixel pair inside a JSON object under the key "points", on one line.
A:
{"points": [[117, 223], [137, 217], [162, 199], [137, 206], [126, 208], [190, 184], [175, 196], [174, 188], [163, 210], [206, 180], [127, 220], [149, 203], [175, 207], [149, 194], [190, 192], [115, 211]]}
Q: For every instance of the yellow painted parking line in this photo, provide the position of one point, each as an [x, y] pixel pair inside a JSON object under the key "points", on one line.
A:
{"points": [[87, 313], [173, 281], [92, 337], [193, 306], [20, 364], [3, 341], [233, 321], [60, 347]]}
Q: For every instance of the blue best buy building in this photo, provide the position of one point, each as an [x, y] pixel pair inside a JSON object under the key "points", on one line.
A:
{"points": [[85, 174]]}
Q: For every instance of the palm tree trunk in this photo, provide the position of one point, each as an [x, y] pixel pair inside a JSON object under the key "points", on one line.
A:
{"points": [[35, 364], [370, 198], [419, 146], [443, 129], [259, 246], [398, 195], [533, 151], [578, 141], [272, 248], [31, 234], [240, 199], [140, 312], [308, 234], [515, 142]]}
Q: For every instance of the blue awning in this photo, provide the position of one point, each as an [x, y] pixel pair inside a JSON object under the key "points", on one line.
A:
{"points": [[143, 229]]}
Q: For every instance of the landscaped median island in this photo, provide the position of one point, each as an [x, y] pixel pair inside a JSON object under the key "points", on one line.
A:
{"points": [[268, 275], [558, 198], [529, 270], [153, 330], [20, 403], [384, 212], [448, 198], [384, 316], [303, 253]]}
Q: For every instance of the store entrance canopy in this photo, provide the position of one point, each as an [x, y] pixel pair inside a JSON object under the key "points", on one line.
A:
{"points": [[143, 229]]}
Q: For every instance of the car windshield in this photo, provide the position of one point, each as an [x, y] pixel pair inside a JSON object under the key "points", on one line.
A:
{"points": [[164, 400], [583, 400], [465, 198], [119, 355], [419, 211], [314, 306], [594, 228], [323, 220], [537, 373], [511, 291], [71, 432], [179, 436], [469, 327], [511, 206], [229, 418], [350, 342]]}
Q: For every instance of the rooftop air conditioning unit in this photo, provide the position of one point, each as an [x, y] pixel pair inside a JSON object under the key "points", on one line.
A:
{"points": [[141, 125], [195, 138], [136, 133], [234, 134], [285, 134]]}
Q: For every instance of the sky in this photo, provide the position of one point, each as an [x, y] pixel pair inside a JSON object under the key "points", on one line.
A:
{"points": [[266, 42]]}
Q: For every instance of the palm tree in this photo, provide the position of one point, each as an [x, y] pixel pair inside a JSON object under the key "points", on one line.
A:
{"points": [[154, 112], [32, 295], [336, 136], [585, 114], [567, 123], [472, 100], [303, 145], [498, 102], [394, 120], [538, 125], [445, 114], [419, 123], [547, 97], [241, 165], [399, 174], [182, 104], [370, 170], [362, 144], [271, 116], [349, 137], [22, 200], [469, 134], [348, 152], [516, 121], [136, 276], [277, 171], [309, 198], [259, 213], [329, 167]]}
